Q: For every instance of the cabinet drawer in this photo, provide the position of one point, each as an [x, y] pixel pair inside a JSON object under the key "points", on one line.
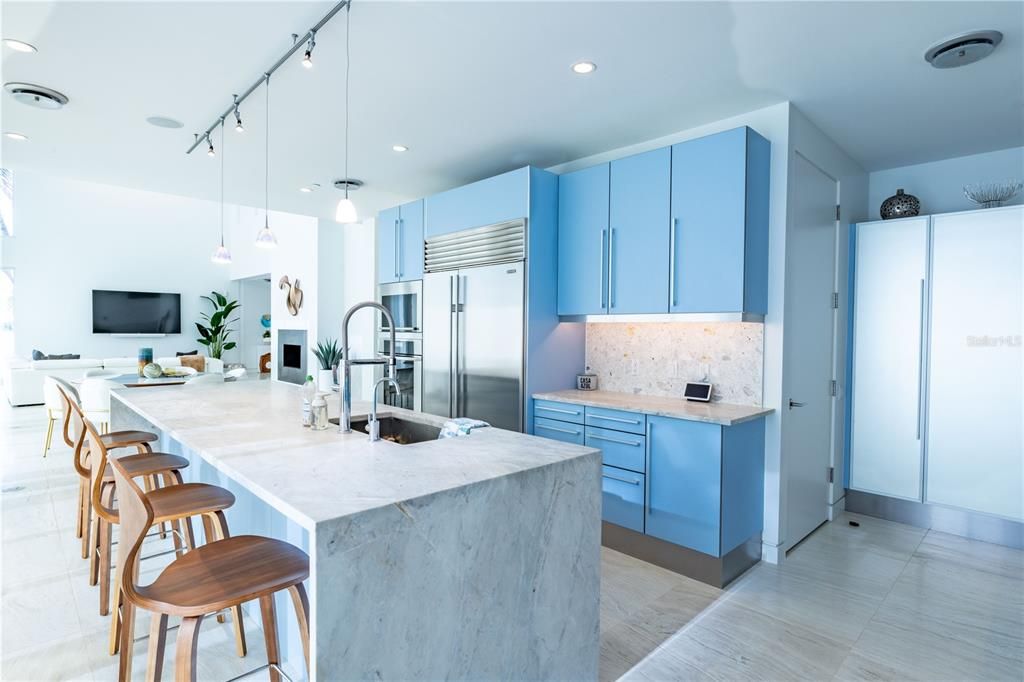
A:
{"points": [[556, 430], [565, 412], [619, 420], [622, 494], [618, 449]]}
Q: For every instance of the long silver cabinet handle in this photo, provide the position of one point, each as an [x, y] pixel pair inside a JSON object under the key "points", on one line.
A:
{"points": [[611, 267], [614, 440], [622, 480], [920, 364], [555, 409], [555, 428], [396, 248], [672, 261], [615, 419], [604, 235]]}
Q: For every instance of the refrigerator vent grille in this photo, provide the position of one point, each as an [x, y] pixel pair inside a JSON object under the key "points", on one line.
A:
{"points": [[499, 243]]}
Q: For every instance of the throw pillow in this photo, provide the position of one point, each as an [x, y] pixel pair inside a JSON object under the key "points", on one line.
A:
{"points": [[39, 355], [191, 352], [196, 362]]}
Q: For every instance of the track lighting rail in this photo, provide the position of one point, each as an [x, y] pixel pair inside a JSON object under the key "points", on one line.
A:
{"points": [[297, 44]]}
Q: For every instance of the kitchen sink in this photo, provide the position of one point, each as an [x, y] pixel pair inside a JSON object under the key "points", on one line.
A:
{"points": [[397, 430]]}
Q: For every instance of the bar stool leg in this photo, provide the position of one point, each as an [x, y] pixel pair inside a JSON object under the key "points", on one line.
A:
{"points": [[80, 521], [105, 546], [185, 654], [86, 525], [301, 602], [50, 419], [221, 533], [269, 613], [157, 643]]}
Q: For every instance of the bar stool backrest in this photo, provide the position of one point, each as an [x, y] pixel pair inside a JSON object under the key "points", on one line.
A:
{"points": [[98, 462], [136, 517], [74, 427], [67, 394]]}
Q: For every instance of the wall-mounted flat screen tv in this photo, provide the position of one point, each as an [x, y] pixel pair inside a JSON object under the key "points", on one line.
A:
{"points": [[135, 312]]}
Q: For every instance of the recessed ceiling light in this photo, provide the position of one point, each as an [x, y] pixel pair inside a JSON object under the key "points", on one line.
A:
{"points": [[310, 188], [399, 148], [164, 122], [584, 67], [17, 136], [36, 95], [963, 49], [19, 46]]}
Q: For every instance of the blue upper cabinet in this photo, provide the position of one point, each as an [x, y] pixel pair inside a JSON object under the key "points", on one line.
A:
{"points": [[582, 241], [494, 200], [387, 246], [719, 229], [410, 241], [638, 237], [400, 243]]}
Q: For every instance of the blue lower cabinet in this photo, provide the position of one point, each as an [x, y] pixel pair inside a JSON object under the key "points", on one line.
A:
{"points": [[618, 449], [622, 498], [684, 483], [563, 412], [618, 420], [556, 430]]}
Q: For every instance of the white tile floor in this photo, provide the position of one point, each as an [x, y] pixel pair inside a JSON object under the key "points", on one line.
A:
{"points": [[882, 601]]}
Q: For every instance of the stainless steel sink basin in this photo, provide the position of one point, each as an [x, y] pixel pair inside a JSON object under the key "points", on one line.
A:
{"points": [[401, 431]]}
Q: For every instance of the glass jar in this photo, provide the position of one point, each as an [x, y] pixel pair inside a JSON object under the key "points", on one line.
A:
{"points": [[319, 408]]}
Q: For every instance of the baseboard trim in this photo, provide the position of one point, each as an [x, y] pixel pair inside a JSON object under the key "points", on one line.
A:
{"points": [[715, 571], [968, 524]]}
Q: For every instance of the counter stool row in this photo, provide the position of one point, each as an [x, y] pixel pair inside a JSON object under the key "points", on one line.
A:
{"points": [[219, 576]]}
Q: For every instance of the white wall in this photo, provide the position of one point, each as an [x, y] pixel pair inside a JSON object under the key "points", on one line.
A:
{"points": [[939, 185], [254, 296], [72, 237], [359, 277]]}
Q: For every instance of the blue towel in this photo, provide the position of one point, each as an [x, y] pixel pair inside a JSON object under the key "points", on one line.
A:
{"points": [[460, 427]]}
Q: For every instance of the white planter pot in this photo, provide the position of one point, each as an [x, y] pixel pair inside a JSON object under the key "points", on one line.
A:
{"points": [[324, 379]]}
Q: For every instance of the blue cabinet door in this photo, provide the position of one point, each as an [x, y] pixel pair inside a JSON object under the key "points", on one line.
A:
{"points": [[684, 483], [638, 237], [494, 200], [719, 230], [582, 241], [387, 246], [410, 241], [556, 430], [622, 498]]}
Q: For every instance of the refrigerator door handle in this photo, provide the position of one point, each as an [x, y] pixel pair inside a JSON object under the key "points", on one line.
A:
{"points": [[463, 282], [453, 400]]}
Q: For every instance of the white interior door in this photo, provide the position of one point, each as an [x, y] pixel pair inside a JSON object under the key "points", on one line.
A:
{"points": [[808, 349]]}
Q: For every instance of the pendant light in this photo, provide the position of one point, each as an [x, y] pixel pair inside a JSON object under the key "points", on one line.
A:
{"points": [[265, 239], [221, 256], [346, 212]]}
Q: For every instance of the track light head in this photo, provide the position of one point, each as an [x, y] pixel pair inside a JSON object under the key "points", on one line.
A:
{"points": [[307, 58], [238, 118], [209, 146]]}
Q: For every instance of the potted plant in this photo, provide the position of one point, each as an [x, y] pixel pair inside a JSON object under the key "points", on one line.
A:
{"points": [[328, 354], [214, 334]]}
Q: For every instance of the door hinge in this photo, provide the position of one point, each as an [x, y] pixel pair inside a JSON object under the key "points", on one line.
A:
{"points": [[837, 211], [833, 388], [831, 475], [835, 300]]}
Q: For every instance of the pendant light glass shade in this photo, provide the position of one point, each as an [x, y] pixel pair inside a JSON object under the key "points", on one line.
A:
{"points": [[221, 255], [265, 239], [346, 212]]}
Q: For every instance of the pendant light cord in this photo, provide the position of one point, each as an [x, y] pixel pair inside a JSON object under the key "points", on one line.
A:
{"points": [[348, 66], [222, 183], [266, 163]]}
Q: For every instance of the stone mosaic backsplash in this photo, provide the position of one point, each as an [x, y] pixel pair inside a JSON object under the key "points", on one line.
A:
{"points": [[658, 358]]}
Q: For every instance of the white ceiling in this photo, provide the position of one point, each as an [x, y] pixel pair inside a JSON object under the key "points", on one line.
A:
{"points": [[476, 88]]}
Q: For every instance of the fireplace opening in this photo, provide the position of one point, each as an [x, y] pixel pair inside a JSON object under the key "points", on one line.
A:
{"points": [[292, 356]]}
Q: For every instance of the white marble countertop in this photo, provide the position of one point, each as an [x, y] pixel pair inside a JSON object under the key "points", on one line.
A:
{"points": [[725, 414], [252, 432]]}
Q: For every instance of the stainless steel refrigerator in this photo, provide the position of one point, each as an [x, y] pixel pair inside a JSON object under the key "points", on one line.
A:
{"points": [[473, 324]]}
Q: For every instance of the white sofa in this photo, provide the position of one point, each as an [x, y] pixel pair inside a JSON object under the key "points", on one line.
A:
{"points": [[23, 379]]}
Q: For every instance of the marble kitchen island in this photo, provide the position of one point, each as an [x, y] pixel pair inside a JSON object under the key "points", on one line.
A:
{"points": [[475, 557]]}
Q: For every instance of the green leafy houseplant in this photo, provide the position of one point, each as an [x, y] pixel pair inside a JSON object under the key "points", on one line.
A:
{"points": [[328, 353], [214, 335]]}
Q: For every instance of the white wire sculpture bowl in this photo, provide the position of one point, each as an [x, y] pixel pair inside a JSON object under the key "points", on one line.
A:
{"points": [[992, 194]]}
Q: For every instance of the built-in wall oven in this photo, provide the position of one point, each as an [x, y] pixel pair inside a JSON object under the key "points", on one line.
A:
{"points": [[404, 300], [408, 370]]}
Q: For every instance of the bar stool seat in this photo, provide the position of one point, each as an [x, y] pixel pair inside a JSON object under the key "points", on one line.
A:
{"points": [[188, 499], [148, 464], [223, 574]]}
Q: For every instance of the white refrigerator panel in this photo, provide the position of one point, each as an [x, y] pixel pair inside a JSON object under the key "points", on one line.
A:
{"points": [[889, 309], [975, 442]]}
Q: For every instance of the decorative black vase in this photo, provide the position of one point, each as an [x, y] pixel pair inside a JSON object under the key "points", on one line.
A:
{"points": [[900, 205]]}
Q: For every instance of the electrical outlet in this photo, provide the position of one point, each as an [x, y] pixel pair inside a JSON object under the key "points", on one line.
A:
{"points": [[634, 367]]}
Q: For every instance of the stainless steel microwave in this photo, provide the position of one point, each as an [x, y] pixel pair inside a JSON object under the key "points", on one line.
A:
{"points": [[404, 300]]}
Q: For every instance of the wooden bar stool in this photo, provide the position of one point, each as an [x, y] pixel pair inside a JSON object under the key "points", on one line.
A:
{"points": [[73, 433], [222, 574], [175, 504]]}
